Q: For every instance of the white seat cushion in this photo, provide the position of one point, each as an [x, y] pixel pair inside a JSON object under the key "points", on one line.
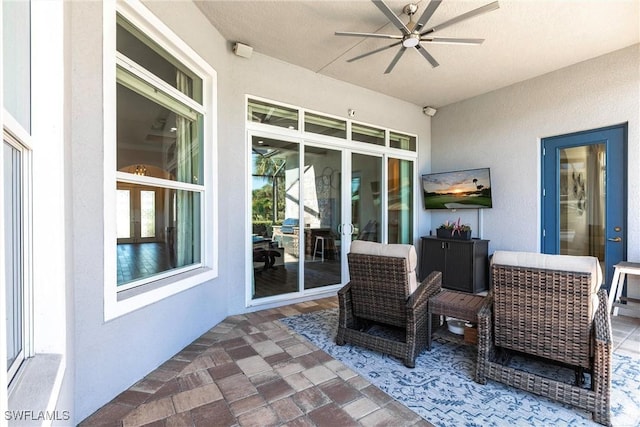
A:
{"points": [[581, 264], [395, 250]]}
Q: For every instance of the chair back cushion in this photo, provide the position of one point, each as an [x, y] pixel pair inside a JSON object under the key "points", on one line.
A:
{"points": [[583, 264], [382, 277], [544, 304], [395, 250]]}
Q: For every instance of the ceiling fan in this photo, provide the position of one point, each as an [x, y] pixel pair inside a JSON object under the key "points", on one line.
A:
{"points": [[414, 34]]}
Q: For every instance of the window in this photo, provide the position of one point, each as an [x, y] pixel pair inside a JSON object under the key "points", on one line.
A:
{"points": [[13, 254], [271, 114], [367, 134], [402, 141], [161, 184], [16, 61], [16, 103], [323, 125]]}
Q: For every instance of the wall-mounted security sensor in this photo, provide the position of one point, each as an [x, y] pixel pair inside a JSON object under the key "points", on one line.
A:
{"points": [[429, 111], [351, 112], [242, 50]]}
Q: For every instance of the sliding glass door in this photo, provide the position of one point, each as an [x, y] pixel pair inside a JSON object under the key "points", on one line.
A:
{"points": [[309, 200], [366, 197], [275, 213], [400, 200], [322, 213]]}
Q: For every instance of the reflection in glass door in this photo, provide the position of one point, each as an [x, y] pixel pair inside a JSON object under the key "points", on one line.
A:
{"points": [[300, 245], [366, 202], [275, 211], [400, 196], [322, 217], [582, 220], [136, 214]]}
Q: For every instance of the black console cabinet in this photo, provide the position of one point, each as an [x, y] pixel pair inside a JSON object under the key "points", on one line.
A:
{"points": [[463, 263]]}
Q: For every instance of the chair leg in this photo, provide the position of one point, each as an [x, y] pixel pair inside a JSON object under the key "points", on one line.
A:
{"points": [[580, 378]]}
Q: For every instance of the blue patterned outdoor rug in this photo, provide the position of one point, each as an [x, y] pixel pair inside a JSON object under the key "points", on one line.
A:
{"points": [[441, 388]]}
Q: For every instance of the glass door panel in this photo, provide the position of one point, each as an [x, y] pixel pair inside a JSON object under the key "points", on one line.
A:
{"points": [[301, 245], [155, 230], [123, 214], [366, 204], [322, 217], [136, 213], [147, 214], [582, 218], [400, 196], [275, 212]]}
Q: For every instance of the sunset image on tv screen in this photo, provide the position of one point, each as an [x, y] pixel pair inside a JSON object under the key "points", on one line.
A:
{"points": [[466, 189]]}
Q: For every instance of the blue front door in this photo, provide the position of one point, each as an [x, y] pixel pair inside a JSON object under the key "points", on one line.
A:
{"points": [[585, 195]]}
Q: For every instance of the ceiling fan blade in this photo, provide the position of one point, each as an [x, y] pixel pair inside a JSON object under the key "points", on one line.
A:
{"points": [[395, 60], [427, 14], [475, 12], [449, 40], [373, 51], [427, 56], [380, 36], [391, 16]]}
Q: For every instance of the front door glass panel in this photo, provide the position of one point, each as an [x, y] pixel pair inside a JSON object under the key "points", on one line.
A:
{"points": [[582, 200]]}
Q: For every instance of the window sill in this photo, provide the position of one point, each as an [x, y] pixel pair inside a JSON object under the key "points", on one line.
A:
{"points": [[133, 299], [34, 393]]}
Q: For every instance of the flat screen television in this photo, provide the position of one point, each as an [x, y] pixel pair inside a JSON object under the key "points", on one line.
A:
{"points": [[464, 189]]}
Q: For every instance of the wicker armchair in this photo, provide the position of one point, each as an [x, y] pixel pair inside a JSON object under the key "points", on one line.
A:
{"points": [[383, 290], [548, 306]]}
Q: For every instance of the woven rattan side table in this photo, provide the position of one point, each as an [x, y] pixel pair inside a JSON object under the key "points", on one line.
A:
{"points": [[456, 304]]}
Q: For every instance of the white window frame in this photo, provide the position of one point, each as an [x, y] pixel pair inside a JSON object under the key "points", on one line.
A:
{"points": [[119, 301], [18, 138]]}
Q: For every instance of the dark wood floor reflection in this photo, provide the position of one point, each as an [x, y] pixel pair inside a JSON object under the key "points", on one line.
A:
{"points": [[139, 260], [284, 278]]}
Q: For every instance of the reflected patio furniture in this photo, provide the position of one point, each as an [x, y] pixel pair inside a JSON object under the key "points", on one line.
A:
{"points": [[265, 253], [287, 236]]}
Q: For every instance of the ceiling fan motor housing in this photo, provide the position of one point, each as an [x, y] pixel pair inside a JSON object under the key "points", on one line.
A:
{"points": [[411, 40]]}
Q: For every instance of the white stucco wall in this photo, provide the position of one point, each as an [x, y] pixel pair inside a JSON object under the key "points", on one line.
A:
{"points": [[503, 130], [111, 356]]}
